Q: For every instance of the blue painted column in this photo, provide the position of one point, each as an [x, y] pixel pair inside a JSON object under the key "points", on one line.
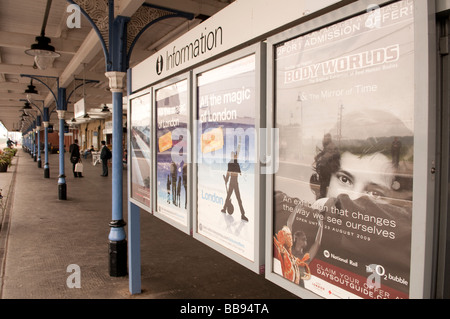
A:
{"points": [[46, 165], [134, 248], [61, 110], [38, 141], [33, 132], [117, 235], [134, 230]]}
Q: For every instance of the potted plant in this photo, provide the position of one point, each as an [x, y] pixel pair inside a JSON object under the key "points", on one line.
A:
{"points": [[5, 161], [12, 151], [3, 164]]}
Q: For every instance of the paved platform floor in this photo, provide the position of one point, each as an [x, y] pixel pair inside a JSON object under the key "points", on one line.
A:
{"points": [[41, 236]]}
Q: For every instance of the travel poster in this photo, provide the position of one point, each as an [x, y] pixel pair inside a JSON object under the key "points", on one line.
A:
{"points": [[226, 155], [344, 105], [171, 151], [140, 148]]}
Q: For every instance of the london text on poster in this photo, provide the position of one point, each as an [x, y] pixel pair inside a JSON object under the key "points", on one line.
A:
{"points": [[343, 191]]}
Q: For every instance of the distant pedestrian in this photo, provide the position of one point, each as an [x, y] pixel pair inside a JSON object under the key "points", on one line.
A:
{"points": [[79, 168], [105, 155], [88, 151], [74, 151]]}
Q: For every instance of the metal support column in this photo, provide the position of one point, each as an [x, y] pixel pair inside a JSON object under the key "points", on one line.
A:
{"points": [[62, 107], [46, 165], [38, 141], [117, 236], [134, 247]]}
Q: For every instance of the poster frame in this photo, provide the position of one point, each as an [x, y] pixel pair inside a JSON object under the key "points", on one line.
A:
{"points": [[129, 163], [422, 249], [188, 77], [259, 50]]}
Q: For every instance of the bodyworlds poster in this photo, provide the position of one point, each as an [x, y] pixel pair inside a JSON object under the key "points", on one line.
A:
{"points": [[343, 192], [140, 146], [171, 151], [226, 155]]}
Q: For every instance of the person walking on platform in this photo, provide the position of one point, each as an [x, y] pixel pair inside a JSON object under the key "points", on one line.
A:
{"points": [[105, 155], [79, 168], [74, 150]]}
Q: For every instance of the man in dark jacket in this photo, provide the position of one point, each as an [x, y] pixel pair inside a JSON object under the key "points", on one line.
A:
{"points": [[104, 157], [74, 150]]}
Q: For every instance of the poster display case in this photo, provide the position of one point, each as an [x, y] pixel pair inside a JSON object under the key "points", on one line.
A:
{"points": [[341, 205], [140, 146], [229, 111], [172, 173]]}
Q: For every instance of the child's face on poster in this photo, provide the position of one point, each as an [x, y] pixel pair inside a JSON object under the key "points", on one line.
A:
{"points": [[370, 175]]}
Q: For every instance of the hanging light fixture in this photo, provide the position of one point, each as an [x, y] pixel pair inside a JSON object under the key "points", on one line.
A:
{"points": [[27, 106], [31, 92], [43, 52], [105, 109], [23, 113]]}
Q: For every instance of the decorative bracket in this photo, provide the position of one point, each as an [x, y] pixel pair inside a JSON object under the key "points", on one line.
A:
{"points": [[119, 34]]}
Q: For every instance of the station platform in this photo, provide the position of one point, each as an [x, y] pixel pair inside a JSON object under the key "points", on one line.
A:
{"points": [[41, 236]]}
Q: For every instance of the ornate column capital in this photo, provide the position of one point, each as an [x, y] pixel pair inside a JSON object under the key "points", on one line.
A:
{"points": [[61, 114], [116, 80]]}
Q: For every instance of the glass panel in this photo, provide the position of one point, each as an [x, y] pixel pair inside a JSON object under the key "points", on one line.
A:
{"points": [[140, 149], [343, 192], [226, 155], [171, 151]]}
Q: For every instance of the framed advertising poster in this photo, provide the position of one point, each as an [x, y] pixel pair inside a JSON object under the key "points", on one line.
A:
{"points": [[140, 143], [172, 148], [342, 198], [226, 177]]}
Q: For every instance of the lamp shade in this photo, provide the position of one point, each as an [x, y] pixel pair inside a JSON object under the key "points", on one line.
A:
{"points": [[31, 89], [43, 62], [42, 48], [31, 92], [27, 106]]}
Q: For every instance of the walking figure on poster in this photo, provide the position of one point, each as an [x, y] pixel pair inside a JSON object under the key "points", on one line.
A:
{"points": [[234, 170]]}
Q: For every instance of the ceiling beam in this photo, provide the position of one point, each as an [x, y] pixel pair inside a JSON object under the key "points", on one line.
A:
{"points": [[10, 103], [23, 69], [18, 96], [196, 7], [19, 40], [89, 49], [16, 86]]}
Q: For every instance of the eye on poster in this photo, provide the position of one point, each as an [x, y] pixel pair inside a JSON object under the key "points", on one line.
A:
{"points": [[344, 101], [140, 146], [171, 157], [226, 155]]}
